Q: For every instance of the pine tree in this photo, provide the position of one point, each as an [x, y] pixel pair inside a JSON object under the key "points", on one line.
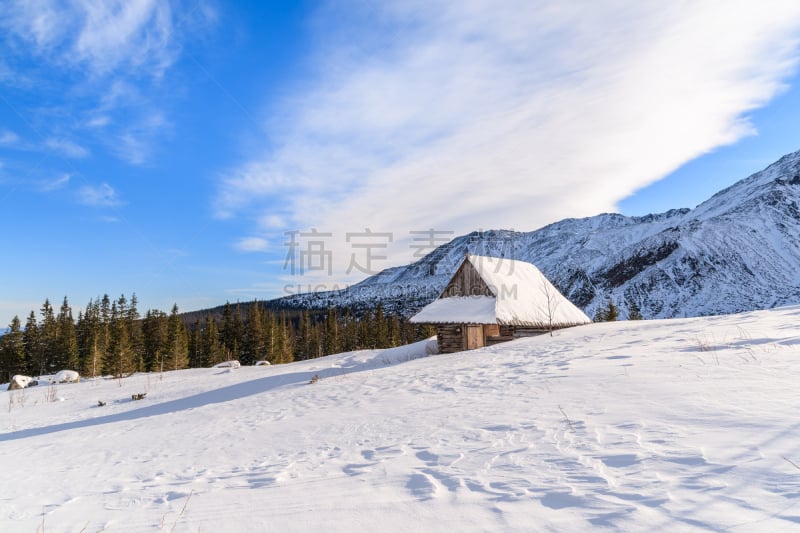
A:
{"points": [[394, 332], [270, 337], [633, 311], [48, 331], [612, 313], [105, 310], [253, 347], [333, 342], [366, 331], [119, 358], [281, 339], [381, 329], [32, 341], [194, 345], [303, 339], [210, 349], [92, 340], [232, 331], [350, 335], [135, 331], [238, 334], [286, 352], [177, 353], [12, 351], [154, 339], [609, 313], [65, 353]]}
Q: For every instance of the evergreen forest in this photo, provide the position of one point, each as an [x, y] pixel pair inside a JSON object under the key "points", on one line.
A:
{"points": [[111, 338]]}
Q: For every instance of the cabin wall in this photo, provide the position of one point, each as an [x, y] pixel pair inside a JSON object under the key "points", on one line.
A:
{"points": [[519, 331], [466, 282], [496, 334], [461, 337], [450, 338]]}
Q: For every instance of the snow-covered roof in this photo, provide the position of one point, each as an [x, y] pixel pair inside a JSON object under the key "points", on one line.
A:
{"points": [[522, 296], [459, 310]]}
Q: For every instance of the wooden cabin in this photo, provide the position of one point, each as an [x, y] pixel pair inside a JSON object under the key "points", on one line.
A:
{"points": [[490, 300]]}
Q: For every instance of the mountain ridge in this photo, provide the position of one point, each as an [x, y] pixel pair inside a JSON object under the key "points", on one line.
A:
{"points": [[737, 251]]}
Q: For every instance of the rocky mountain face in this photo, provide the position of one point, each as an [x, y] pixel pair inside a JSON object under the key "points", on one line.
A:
{"points": [[738, 251]]}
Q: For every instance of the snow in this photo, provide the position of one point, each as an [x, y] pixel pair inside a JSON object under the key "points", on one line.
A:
{"points": [[228, 364], [524, 295], [66, 376], [20, 380], [737, 251], [459, 309], [669, 425]]}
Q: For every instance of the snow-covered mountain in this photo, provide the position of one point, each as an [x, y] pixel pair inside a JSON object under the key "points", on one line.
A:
{"points": [[737, 251]]}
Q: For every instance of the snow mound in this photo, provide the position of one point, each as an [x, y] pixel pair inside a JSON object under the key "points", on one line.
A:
{"points": [[66, 376], [228, 364]]}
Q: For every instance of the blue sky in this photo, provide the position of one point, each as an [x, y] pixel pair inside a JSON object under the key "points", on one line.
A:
{"points": [[166, 148]]}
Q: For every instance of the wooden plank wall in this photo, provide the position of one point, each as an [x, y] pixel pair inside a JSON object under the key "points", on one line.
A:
{"points": [[451, 338], [467, 282], [474, 336], [529, 332]]}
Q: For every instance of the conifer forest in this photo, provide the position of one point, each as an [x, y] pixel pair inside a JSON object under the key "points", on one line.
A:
{"points": [[111, 338]]}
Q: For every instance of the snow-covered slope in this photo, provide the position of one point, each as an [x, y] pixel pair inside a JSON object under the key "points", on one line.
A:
{"points": [[671, 425], [738, 251]]}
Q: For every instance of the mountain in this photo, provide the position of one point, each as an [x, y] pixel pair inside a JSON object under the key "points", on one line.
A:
{"points": [[737, 251]]}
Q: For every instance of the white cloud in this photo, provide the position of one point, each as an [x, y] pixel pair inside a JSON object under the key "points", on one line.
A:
{"points": [[109, 58], [102, 195], [477, 114], [58, 183], [67, 148], [272, 221], [98, 121], [135, 143], [8, 138], [252, 244], [101, 35]]}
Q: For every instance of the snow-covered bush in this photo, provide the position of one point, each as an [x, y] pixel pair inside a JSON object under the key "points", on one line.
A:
{"points": [[19, 382], [67, 376], [228, 364]]}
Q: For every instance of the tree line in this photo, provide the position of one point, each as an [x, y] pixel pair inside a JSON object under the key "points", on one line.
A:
{"points": [[611, 313], [111, 338]]}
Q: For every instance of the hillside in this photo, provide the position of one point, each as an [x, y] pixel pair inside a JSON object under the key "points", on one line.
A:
{"points": [[685, 424], [738, 251]]}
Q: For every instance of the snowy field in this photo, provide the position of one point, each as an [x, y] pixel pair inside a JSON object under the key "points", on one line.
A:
{"points": [[672, 425]]}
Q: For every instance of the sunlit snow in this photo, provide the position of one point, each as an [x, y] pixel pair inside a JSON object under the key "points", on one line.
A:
{"points": [[641, 426]]}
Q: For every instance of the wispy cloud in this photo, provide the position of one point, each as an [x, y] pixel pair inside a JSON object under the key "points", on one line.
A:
{"points": [[56, 184], [252, 244], [98, 121], [111, 57], [67, 148], [8, 138], [135, 142], [102, 36], [477, 114], [102, 195]]}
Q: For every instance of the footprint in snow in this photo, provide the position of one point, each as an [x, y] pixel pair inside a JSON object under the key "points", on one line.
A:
{"points": [[422, 486]]}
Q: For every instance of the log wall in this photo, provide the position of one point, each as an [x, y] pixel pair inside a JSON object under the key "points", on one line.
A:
{"points": [[450, 337], [454, 337], [467, 282]]}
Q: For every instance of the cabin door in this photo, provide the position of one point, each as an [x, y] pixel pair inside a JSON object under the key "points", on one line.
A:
{"points": [[474, 337]]}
